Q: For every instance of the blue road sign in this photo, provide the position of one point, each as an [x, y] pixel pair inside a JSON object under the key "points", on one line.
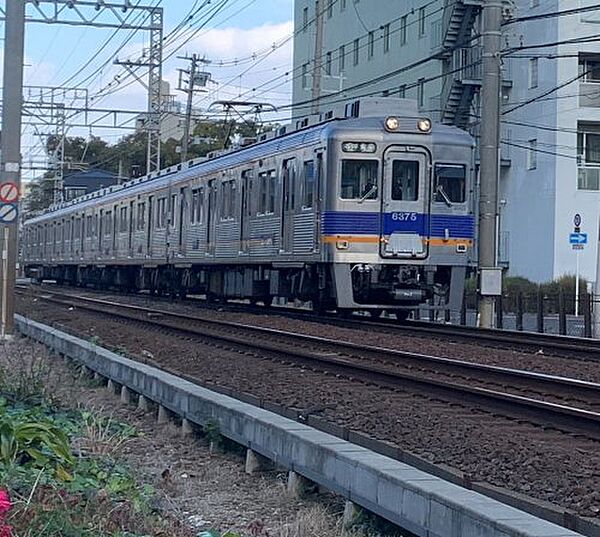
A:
{"points": [[8, 213], [578, 238]]}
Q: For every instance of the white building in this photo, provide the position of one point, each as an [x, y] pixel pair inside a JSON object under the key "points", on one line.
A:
{"points": [[428, 50], [172, 122]]}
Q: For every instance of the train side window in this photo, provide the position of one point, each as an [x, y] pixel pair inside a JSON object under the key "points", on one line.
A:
{"points": [[450, 183], [308, 184], [405, 180], [359, 179], [289, 179], [228, 199], [141, 216], [123, 220], [108, 223], [272, 192], [161, 208], [172, 210], [263, 178], [88, 226], [248, 181], [197, 212]]}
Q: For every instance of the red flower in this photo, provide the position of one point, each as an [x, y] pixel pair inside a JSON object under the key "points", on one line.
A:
{"points": [[5, 504]]}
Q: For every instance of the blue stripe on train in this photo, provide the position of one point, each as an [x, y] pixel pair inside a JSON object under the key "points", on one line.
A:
{"points": [[357, 223]]}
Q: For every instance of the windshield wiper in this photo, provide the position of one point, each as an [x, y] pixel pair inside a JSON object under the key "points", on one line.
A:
{"points": [[442, 192], [368, 193]]}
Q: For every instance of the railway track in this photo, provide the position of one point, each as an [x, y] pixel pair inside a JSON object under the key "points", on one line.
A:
{"points": [[530, 342], [563, 403]]}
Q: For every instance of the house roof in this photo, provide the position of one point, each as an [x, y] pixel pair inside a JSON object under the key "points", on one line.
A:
{"points": [[90, 179]]}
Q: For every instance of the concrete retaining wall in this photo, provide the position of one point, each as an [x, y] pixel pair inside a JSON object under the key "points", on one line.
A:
{"points": [[419, 502]]}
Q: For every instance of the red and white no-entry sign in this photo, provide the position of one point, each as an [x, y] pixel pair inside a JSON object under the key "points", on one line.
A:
{"points": [[9, 192]]}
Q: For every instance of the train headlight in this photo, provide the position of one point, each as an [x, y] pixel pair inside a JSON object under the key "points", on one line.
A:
{"points": [[392, 123], [424, 125]]}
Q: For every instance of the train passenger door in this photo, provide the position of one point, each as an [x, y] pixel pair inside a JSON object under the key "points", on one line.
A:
{"points": [[405, 204], [183, 207], [210, 217], [246, 211], [288, 206], [130, 230], [100, 232], [150, 224]]}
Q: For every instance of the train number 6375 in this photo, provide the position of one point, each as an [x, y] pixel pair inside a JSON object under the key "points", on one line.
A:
{"points": [[404, 217]]}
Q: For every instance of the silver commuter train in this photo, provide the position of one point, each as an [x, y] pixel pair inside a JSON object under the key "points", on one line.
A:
{"points": [[373, 210]]}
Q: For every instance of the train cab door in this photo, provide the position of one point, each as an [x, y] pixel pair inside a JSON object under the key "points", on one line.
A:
{"points": [[405, 204], [210, 217], [288, 205], [246, 211]]}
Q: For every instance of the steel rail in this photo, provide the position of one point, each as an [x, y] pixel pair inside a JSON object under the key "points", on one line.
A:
{"points": [[563, 416]]}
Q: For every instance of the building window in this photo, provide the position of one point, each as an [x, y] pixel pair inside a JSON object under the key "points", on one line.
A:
{"points": [[305, 75], [588, 145], [356, 51], [371, 48], [532, 154], [589, 69], [305, 19], [342, 54], [588, 157], [533, 73], [403, 24], [328, 64], [421, 22], [421, 92], [386, 38]]}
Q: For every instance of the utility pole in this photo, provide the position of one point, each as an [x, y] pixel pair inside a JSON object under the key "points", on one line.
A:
{"points": [[318, 59], [10, 160], [490, 276], [195, 79]]}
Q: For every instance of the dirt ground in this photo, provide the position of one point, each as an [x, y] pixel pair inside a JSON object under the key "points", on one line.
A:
{"points": [[203, 488]]}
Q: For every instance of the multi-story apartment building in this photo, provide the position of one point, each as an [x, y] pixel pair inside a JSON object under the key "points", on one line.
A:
{"points": [[428, 50]]}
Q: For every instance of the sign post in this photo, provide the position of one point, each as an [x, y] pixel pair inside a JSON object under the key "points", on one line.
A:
{"points": [[578, 240]]}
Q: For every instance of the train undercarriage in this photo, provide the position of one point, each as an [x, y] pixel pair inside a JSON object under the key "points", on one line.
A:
{"points": [[342, 287]]}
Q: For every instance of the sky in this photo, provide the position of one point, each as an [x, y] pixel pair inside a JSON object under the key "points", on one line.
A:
{"points": [[245, 42]]}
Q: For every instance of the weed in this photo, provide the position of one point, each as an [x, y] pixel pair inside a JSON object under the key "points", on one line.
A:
{"points": [[102, 435], [24, 374], [212, 432], [371, 525]]}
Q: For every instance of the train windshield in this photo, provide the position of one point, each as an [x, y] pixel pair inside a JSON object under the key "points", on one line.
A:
{"points": [[450, 182], [405, 180], [359, 179]]}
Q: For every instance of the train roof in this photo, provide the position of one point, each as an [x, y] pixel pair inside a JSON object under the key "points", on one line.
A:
{"points": [[327, 125]]}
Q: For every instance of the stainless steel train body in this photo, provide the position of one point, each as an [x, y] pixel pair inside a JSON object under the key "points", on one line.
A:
{"points": [[359, 213]]}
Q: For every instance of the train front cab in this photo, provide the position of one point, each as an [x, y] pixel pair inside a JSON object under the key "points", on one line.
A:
{"points": [[399, 224]]}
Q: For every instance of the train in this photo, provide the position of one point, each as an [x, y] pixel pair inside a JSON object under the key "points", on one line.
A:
{"points": [[368, 207]]}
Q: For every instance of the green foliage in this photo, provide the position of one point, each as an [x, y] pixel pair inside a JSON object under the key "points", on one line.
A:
{"points": [[29, 439]]}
